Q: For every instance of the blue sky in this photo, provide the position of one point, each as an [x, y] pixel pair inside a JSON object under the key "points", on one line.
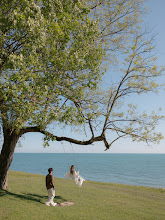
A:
{"points": [[33, 143]]}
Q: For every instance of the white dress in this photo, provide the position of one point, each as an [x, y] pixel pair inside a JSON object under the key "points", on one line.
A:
{"points": [[76, 177]]}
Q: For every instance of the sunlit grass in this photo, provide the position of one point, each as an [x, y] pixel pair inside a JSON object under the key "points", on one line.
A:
{"points": [[94, 200]]}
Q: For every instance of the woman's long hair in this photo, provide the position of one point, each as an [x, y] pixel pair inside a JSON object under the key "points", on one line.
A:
{"points": [[71, 169]]}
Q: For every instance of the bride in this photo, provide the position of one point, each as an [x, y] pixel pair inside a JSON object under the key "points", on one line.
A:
{"points": [[74, 175]]}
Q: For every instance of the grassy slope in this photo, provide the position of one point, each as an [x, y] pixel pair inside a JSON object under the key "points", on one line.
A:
{"points": [[95, 200]]}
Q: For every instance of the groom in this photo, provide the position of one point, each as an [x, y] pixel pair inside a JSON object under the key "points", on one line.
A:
{"points": [[50, 188]]}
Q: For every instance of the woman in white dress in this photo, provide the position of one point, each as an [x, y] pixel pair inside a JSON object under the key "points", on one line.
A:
{"points": [[75, 176]]}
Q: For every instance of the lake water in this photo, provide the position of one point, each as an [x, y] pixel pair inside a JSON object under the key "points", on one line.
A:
{"points": [[130, 169]]}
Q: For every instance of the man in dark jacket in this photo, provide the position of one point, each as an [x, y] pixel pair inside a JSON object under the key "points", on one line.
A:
{"points": [[50, 188]]}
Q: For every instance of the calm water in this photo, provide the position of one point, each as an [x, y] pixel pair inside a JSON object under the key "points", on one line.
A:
{"points": [[130, 169]]}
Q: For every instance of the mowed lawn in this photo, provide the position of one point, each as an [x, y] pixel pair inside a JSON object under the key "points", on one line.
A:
{"points": [[93, 201]]}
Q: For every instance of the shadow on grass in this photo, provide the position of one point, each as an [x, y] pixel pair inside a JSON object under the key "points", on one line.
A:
{"points": [[31, 197]]}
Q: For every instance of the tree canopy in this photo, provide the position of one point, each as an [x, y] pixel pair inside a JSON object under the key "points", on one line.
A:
{"points": [[49, 54], [53, 54]]}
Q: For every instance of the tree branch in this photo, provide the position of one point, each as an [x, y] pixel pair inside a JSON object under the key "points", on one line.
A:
{"points": [[54, 137]]}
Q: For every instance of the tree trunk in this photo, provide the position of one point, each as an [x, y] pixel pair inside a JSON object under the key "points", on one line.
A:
{"points": [[10, 141]]}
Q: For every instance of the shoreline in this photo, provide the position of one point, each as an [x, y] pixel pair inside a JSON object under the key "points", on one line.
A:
{"points": [[129, 169], [93, 181]]}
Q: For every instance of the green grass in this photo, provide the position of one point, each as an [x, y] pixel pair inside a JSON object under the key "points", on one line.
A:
{"points": [[93, 201]]}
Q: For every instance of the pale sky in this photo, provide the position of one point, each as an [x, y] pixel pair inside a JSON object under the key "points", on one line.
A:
{"points": [[32, 142]]}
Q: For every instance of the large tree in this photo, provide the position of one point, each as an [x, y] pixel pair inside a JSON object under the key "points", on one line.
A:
{"points": [[53, 56]]}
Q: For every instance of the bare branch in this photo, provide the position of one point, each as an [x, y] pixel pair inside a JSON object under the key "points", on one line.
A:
{"points": [[95, 6], [54, 137]]}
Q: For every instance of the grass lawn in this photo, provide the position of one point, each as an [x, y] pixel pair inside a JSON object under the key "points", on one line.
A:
{"points": [[93, 201]]}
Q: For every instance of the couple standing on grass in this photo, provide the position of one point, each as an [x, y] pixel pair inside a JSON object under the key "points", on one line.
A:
{"points": [[50, 183]]}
